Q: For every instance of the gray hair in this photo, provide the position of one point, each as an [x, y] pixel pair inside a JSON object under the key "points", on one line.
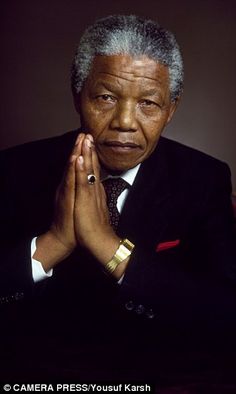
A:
{"points": [[130, 35]]}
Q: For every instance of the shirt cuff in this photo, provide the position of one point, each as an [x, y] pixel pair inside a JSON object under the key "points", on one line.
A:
{"points": [[38, 272], [121, 279]]}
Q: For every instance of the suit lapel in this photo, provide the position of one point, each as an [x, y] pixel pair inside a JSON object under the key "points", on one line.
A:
{"points": [[148, 204]]}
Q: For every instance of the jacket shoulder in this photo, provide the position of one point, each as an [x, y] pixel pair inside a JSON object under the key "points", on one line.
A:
{"points": [[42, 146], [37, 156], [188, 160]]}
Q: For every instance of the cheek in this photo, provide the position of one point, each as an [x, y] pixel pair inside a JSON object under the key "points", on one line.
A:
{"points": [[153, 126], [94, 120], [152, 141], [152, 133]]}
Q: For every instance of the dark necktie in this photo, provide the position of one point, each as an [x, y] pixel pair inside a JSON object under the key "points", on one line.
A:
{"points": [[113, 188]]}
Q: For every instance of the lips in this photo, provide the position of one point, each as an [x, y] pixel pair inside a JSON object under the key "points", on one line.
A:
{"points": [[122, 145]]}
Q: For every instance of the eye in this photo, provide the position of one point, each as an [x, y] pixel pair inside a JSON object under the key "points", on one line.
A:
{"points": [[106, 98], [149, 104]]}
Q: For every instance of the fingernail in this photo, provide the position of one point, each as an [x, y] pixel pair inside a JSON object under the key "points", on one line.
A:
{"points": [[81, 162], [90, 137], [77, 139], [72, 158], [88, 143]]}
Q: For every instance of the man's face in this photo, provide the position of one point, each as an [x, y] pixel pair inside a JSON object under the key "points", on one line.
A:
{"points": [[125, 104]]}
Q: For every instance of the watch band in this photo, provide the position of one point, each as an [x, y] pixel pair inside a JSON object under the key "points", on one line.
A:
{"points": [[124, 250]]}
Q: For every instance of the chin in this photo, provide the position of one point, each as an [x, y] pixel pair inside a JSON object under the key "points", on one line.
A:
{"points": [[117, 168]]}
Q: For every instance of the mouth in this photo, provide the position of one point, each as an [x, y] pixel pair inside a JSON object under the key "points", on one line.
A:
{"points": [[121, 147]]}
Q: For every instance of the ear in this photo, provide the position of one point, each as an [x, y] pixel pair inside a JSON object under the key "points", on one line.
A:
{"points": [[173, 108]]}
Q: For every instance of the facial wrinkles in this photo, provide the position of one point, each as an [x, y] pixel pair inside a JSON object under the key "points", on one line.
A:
{"points": [[142, 84], [130, 86], [136, 75], [130, 92], [132, 76]]}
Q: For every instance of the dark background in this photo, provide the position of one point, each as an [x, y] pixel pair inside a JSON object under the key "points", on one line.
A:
{"points": [[38, 39]]}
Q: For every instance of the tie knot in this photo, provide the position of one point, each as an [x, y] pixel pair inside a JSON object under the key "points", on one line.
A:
{"points": [[114, 187]]}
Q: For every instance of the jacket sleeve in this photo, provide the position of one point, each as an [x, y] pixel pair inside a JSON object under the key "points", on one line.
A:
{"points": [[16, 230]]}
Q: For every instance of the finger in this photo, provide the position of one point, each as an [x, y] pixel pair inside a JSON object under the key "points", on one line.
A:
{"points": [[77, 150], [96, 170], [87, 155], [78, 138], [93, 166], [95, 163], [80, 174], [68, 180], [84, 167], [98, 187], [85, 193]]}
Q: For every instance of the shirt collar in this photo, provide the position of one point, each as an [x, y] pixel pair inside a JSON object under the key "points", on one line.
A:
{"points": [[129, 175]]}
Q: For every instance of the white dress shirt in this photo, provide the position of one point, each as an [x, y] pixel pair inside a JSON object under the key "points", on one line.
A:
{"points": [[129, 176]]}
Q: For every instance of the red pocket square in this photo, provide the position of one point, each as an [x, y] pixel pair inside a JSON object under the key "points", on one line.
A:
{"points": [[167, 245]]}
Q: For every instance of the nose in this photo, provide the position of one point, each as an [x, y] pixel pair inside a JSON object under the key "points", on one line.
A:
{"points": [[124, 118]]}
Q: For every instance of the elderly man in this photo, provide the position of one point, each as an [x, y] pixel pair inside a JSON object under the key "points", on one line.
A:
{"points": [[118, 245]]}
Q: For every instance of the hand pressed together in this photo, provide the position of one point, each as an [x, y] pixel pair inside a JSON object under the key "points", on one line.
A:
{"points": [[81, 215]]}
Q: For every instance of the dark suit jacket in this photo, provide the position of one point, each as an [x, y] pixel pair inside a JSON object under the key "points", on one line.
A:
{"points": [[177, 296]]}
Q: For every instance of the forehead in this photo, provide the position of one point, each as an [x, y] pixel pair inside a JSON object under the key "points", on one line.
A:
{"points": [[141, 71]]}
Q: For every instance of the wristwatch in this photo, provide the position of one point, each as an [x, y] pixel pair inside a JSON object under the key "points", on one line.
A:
{"points": [[124, 250]]}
